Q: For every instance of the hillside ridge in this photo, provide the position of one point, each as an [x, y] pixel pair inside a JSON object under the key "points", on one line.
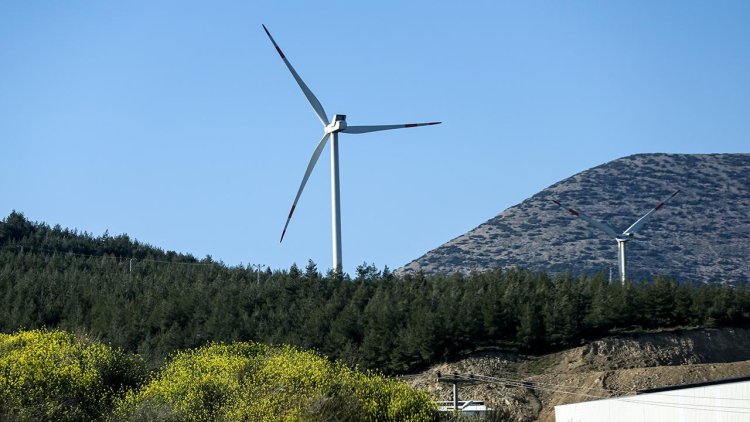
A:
{"points": [[701, 235]]}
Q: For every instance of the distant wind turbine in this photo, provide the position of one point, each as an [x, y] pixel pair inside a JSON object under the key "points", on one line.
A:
{"points": [[625, 236], [330, 129]]}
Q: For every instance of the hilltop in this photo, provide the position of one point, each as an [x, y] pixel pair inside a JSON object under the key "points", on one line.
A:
{"points": [[701, 235]]}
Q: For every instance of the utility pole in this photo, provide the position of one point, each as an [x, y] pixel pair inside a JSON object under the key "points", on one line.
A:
{"points": [[455, 379], [258, 266]]}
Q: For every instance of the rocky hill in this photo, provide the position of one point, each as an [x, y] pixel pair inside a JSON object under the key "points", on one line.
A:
{"points": [[529, 387], [703, 234]]}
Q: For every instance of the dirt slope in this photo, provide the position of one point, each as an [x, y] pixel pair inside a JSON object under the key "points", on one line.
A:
{"points": [[609, 367]]}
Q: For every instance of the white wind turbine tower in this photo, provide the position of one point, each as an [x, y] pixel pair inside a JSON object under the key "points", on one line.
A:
{"points": [[623, 237], [330, 129]]}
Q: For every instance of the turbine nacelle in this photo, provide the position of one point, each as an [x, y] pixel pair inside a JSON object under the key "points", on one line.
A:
{"points": [[337, 125]]}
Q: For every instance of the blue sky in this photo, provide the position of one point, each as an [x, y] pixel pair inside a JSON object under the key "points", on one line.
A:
{"points": [[176, 122]]}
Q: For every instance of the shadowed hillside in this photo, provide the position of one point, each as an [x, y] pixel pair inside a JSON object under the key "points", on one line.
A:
{"points": [[152, 302], [703, 234]]}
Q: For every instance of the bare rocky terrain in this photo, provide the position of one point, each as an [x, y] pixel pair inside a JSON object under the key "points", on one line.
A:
{"points": [[702, 235], [530, 387]]}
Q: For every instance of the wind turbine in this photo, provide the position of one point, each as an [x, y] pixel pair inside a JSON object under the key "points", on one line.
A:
{"points": [[330, 129], [623, 237]]}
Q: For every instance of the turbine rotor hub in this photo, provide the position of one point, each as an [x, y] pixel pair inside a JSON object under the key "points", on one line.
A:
{"points": [[338, 124]]}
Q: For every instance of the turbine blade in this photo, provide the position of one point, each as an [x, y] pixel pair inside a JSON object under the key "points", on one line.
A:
{"points": [[601, 226], [365, 129], [310, 96], [310, 166], [641, 221]]}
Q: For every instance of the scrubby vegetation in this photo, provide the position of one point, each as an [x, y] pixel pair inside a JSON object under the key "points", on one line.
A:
{"points": [[255, 382], [58, 376], [60, 278]]}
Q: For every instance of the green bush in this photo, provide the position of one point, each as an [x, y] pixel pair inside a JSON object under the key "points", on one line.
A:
{"points": [[59, 376], [255, 382]]}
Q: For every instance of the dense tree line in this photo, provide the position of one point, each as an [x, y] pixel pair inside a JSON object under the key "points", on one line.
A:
{"points": [[53, 277]]}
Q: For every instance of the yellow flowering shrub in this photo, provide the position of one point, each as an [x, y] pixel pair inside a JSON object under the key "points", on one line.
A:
{"points": [[195, 386], [255, 382], [58, 376]]}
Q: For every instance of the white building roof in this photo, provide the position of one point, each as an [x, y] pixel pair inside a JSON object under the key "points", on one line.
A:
{"points": [[725, 401]]}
